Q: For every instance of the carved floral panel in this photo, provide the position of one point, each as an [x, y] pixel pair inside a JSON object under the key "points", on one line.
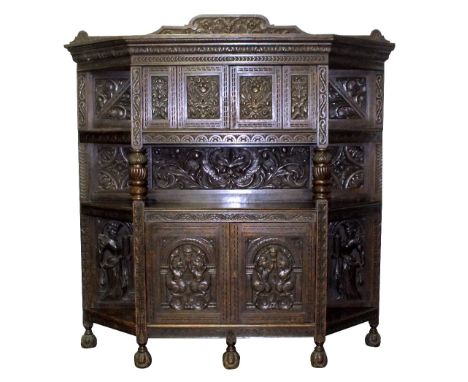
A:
{"points": [[112, 168], [159, 97], [112, 98], [203, 97], [255, 97], [231, 167], [347, 166], [299, 97], [114, 259]]}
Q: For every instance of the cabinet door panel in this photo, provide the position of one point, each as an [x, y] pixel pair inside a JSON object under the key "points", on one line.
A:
{"points": [[275, 265], [186, 267]]}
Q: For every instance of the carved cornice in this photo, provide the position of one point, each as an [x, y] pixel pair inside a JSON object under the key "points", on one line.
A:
{"points": [[228, 138], [232, 24]]}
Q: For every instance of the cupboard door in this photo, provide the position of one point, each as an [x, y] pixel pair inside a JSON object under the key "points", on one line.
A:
{"points": [[256, 97], [275, 272], [186, 267]]}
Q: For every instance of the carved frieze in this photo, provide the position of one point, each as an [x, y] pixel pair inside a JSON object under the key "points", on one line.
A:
{"points": [[112, 96], [299, 97], [231, 167], [348, 258], [114, 259], [159, 97], [112, 168], [347, 166], [203, 97], [188, 281], [255, 97]]}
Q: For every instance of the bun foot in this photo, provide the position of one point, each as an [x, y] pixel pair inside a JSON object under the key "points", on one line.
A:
{"points": [[88, 340], [373, 338], [142, 357], [231, 357], [318, 357]]}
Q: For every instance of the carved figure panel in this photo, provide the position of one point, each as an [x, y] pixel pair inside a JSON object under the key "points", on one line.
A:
{"points": [[347, 166], [348, 259], [159, 97], [114, 259], [112, 168], [203, 97], [299, 97], [112, 98], [273, 282], [255, 97], [188, 280], [231, 167]]}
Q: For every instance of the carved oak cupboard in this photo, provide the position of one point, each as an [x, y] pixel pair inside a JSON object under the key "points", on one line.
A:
{"points": [[230, 182]]}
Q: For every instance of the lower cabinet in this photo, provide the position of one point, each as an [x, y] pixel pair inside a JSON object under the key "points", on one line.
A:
{"points": [[237, 273]]}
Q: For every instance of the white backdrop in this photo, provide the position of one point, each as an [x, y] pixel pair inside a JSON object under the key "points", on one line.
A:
{"points": [[424, 251]]}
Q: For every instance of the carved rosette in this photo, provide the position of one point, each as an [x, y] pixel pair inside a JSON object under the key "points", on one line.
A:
{"points": [[322, 173], [138, 174], [347, 167]]}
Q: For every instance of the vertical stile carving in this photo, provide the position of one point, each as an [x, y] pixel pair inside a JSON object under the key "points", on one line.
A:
{"points": [[82, 89], [379, 94], [322, 172], [378, 171], [83, 171], [138, 174], [322, 130], [86, 261], [136, 109], [321, 271]]}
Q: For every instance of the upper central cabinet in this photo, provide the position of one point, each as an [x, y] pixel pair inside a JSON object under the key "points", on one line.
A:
{"points": [[230, 97]]}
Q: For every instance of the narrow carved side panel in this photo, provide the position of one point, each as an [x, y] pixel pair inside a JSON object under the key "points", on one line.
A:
{"points": [[299, 97], [378, 171], [349, 260], [159, 97], [203, 97], [87, 262], [114, 260], [379, 99], [84, 163], [231, 168], [347, 166], [112, 168], [137, 106], [112, 98]]}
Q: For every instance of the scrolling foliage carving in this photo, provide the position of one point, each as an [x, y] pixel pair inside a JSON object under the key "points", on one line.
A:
{"points": [[114, 253], [272, 280], [231, 167], [113, 99], [188, 281], [347, 98], [347, 258]]}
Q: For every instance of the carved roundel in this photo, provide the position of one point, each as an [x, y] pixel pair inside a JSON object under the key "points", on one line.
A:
{"points": [[272, 280], [188, 282]]}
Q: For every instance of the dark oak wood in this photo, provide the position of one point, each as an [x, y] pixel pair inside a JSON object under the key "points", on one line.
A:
{"points": [[230, 182]]}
